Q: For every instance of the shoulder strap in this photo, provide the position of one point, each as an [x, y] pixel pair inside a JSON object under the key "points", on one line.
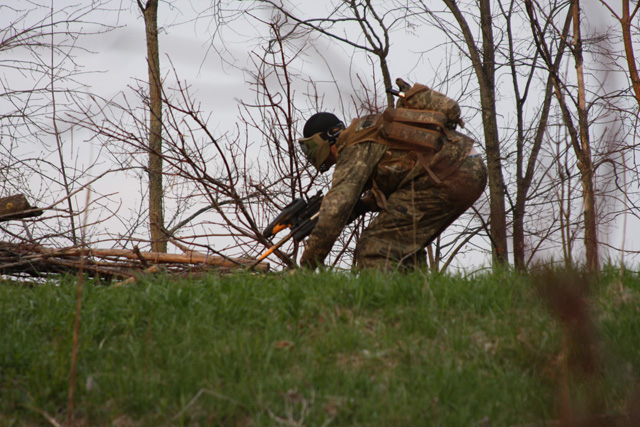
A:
{"points": [[360, 130]]}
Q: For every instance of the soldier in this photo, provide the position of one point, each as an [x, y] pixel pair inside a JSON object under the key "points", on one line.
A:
{"points": [[412, 166]]}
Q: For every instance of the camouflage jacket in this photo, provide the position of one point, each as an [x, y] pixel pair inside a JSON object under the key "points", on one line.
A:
{"points": [[366, 162]]}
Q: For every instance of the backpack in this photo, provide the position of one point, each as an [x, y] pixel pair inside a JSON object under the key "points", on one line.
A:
{"points": [[422, 126], [421, 97]]}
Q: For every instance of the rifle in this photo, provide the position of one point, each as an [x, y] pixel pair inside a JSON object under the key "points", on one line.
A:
{"points": [[299, 216]]}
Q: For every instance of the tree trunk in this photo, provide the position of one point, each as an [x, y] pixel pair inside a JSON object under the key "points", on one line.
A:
{"points": [[484, 68], [492, 139], [628, 48], [585, 162], [156, 215], [525, 177], [496, 181], [386, 78]]}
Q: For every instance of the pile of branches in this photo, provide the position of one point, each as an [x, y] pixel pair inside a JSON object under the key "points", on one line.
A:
{"points": [[22, 260], [29, 259]]}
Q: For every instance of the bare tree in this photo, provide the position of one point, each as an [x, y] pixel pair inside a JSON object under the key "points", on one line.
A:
{"points": [[625, 18], [219, 172], [156, 205], [484, 65], [360, 25], [579, 137], [482, 55], [520, 63], [39, 80]]}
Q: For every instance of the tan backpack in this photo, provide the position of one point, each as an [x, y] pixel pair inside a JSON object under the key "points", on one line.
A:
{"points": [[421, 97], [423, 124]]}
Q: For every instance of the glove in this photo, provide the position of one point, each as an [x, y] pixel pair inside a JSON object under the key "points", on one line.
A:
{"points": [[365, 204]]}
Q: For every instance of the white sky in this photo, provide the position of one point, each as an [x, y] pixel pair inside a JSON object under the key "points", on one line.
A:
{"points": [[119, 55]]}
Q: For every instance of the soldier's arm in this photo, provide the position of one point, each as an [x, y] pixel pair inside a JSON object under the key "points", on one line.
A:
{"points": [[354, 168]]}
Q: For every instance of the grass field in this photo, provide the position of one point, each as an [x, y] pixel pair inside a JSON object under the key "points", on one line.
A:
{"points": [[319, 349]]}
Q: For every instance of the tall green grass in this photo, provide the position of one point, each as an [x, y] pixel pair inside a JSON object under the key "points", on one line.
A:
{"points": [[306, 348]]}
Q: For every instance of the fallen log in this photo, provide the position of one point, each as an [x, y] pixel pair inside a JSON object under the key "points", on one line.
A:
{"points": [[152, 257], [17, 207]]}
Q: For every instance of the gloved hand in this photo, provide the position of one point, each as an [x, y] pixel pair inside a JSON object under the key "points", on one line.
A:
{"points": [[366, 203]]}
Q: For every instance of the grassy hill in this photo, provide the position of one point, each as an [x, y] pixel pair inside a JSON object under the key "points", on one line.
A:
{"points": [[324, 349]]}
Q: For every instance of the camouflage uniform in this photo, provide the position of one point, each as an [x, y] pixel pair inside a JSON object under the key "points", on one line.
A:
{"points": [[416, 214], [418, 199], [420, 192]]}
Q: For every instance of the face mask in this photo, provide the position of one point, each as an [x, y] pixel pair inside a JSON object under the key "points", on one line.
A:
{"points": [[316, 149]]}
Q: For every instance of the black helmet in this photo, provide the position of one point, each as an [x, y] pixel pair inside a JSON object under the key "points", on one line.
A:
{"points": [[321, 122], [320, 133]]}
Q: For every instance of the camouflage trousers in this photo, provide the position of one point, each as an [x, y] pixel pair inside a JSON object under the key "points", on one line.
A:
{"points": [[416, 214]]}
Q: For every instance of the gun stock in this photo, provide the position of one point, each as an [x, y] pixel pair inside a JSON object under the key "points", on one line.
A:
{"points": [[286, 219], [299, 216]]}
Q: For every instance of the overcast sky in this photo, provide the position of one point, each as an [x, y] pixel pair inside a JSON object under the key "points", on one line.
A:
{"points": [[118, 60]]}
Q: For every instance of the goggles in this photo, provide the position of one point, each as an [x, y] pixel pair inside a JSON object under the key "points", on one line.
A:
{"points": [[317, 147], [316, 150]]}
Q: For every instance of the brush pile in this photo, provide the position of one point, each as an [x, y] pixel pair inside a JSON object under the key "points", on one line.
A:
{"points": [[29, 259], [22, 260]]}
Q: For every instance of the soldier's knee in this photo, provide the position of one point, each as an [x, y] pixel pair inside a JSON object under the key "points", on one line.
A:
{"points": [[370, 253]]}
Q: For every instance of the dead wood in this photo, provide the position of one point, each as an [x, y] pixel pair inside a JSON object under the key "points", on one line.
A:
{"points": [[17, 207], [40, 261], [132, 279]]}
